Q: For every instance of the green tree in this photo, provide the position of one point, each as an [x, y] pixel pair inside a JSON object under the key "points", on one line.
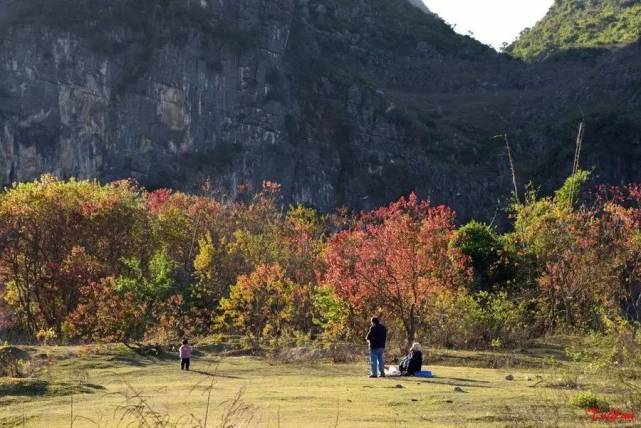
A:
{"points": [[157, 284], [482, 245]]}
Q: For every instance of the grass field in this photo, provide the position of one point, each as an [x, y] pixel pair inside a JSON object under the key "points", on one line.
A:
{"points": [[112, 386]]}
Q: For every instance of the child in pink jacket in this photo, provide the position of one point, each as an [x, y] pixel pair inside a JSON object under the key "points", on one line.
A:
{"points": [[185, 354]]}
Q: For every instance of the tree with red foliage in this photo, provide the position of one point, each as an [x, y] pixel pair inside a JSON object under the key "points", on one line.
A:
{"points": [[621, 213], [580, 281], [395, 259], [582, 258], [105, 316]]}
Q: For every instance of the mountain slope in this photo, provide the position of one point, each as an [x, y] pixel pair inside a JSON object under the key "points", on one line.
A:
{"points": [[572, 24], [420, 5], [306, 93], [343, 102]]}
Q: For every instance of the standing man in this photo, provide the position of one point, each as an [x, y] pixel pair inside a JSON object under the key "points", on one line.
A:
{"points": [[377, 336]]}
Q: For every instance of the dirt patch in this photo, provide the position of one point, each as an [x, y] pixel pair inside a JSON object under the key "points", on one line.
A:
{"points": [[339, 353], [299, 354], [565, 382]]}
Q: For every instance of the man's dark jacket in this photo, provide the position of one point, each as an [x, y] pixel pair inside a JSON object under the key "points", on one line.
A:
{"points": [[377, 336]]}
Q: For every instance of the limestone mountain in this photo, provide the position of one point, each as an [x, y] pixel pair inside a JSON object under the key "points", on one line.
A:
{"points": [[343, 102], [572, 24]]}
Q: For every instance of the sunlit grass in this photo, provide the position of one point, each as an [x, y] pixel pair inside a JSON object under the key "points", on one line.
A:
{"points": [[105, 386], [274, 394]]}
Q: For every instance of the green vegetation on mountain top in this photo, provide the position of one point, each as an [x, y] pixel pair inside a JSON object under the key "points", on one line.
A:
{"points": [[574, 24]]}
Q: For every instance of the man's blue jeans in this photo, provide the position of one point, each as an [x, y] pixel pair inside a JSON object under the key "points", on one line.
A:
{"points": [[377, 359]]}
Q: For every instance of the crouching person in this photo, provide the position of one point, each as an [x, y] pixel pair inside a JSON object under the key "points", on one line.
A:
{"points": [[412, 362]]}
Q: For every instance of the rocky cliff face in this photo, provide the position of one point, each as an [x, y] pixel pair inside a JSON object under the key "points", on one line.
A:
{"points": [[343, 102], [166, 94]]}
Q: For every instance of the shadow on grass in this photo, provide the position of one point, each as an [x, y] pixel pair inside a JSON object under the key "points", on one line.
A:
{"points": [[39, 387], [23, 387], [464, 380], [15, 421], [501, 419], [450, 381], [133, 359], [204, 373], [542, 351]]}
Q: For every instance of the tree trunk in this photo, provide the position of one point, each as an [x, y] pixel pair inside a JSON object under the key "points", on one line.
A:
{"points": [[411, 328], [411, 336]]}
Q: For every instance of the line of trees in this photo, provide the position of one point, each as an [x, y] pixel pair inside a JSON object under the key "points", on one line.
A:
{"points": [[114, 262]]}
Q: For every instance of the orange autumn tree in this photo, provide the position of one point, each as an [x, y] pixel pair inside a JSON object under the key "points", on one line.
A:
{"points": [[259, 304], [395, 259]]}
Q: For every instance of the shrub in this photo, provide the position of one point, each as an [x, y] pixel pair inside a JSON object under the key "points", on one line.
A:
{"points": [[588, 400], [619, 346], [464, 320], [46, 335], [14, 362]]}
